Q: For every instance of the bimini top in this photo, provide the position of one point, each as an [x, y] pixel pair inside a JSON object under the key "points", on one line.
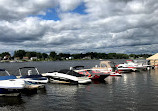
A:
{"points": [[70, 72]]}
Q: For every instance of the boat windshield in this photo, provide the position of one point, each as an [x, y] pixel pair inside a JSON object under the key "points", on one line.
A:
{"points": [[3, 72], [112, 64], [70, 72], [28, 71], [144, 62]]}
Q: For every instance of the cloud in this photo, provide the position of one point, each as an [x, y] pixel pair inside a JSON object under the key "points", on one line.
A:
{"points": [[121, 26], [68, 5], [17, 9]]}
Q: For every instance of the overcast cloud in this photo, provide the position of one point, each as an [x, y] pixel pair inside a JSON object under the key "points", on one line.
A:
{"points": [[121, 26]]}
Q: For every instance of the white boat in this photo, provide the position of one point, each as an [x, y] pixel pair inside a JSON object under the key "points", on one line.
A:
{"points": [[32, 75], [9, 84], [122, 68], [130, 65], [144, 63], [67, 76]]}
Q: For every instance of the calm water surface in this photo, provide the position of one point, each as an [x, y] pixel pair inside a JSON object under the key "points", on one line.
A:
{"points": [[136, 91]]}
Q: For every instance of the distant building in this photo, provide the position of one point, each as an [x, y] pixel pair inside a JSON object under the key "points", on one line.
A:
{"points": [[69, 58], [7, 57], [25, 58], [87, 57], [33, 58], [153, 59], [63, 58], [17, 58]]}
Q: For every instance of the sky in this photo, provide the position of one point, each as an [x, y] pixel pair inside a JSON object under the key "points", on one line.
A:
{"points": [[79, 26]]}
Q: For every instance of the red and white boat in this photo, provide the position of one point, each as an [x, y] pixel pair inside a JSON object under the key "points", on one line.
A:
{"points": [[94, 75], [106, 68]]}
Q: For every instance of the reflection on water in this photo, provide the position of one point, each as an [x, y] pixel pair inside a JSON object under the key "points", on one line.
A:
{"points": [[11, 104], [10, 101], [99, 82], [136, 91]]}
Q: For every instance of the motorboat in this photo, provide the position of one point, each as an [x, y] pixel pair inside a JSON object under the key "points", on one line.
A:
{"points": [[130, 65], [31, 75], [116, 73], [93, 74], [67, 76], [101, 72], [144, 63], [122, 68], [105, 69], [9, 84]]}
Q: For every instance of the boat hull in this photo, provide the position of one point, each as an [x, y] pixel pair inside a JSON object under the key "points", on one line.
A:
{"points": [[11, 87], [94, 75], [62, 81], [9, 92], [100, 77], [66, 79], [125, 70], [35, 79]]}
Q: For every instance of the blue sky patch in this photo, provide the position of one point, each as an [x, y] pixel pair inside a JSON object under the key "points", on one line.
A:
{"points": [[80, 9], [51, 14]]}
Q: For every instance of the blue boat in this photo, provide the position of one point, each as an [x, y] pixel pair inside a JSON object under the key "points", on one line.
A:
{"points": [[9, 84]]}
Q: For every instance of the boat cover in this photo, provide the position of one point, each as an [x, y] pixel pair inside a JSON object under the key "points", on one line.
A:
{"points": [[7, 77], [70, 72]]}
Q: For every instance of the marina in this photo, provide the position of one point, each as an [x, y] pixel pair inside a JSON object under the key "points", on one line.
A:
{"points": [[130, 92], [78, 55]]}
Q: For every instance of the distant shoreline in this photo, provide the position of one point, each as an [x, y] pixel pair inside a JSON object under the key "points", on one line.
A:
{"points": [[20, 61]]}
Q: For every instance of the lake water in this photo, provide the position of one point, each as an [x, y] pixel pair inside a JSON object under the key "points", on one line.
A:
{"points": [[136, 91]]}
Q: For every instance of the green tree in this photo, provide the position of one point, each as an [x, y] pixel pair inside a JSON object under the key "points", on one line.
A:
{"points": [[63, 55], [134, 56], [28, 54], [33, 54], [44, 55], [112, 55], [78, 56], [19, 53], [5, 54], [52, 54], [39, 55]]}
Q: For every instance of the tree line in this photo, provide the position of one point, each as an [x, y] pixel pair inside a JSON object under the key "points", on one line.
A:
{"points": [[62, 56]]}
